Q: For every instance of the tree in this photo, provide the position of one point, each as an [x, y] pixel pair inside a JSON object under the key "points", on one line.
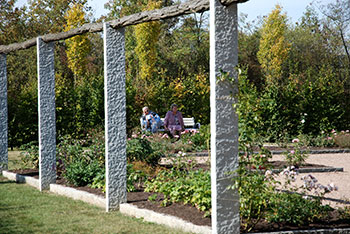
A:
{"points": [[78, 47], [248, 46], [12, 22], [184, 46], [338, 24], [274, 48], [147, 35]]}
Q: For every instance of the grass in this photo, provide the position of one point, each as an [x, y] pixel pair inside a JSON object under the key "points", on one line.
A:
{"points": [[24, 209], [14, 159]]}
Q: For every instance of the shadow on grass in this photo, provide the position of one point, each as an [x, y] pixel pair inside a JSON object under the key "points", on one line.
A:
{"points": [[7, 182], [8, 227]]}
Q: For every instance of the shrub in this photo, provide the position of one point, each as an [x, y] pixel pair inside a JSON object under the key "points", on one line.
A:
{"points": [[342, 139], [295, 157], [191, 187], [99, 181], [261, 196], [82, 171], [30, 154], [139, 149], [294, 209], [136, 176]]}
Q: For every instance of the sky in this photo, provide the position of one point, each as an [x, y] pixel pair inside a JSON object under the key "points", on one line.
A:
{"points": [[254, 8]]}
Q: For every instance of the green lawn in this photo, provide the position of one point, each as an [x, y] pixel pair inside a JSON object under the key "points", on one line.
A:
{"points": [[24, 209], [14, 159]]}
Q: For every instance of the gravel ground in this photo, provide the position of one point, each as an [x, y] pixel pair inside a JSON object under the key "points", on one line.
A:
{"points": [[340, 179]]}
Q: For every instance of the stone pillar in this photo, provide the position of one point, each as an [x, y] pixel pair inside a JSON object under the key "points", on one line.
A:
{"points": [[115, 116], [3, 114], [223, 119], [47, 116]]}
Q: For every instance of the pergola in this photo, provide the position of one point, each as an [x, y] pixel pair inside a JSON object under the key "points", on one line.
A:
{"points": [[224, 120]]}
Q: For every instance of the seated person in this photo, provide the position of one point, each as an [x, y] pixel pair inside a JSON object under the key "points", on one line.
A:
{"points": [[150, 121], [173, 122]]}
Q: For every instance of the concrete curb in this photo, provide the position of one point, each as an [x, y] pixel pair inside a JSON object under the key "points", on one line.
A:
{"points": [[324, 151], [126, 209], [22, 179], [312, 170], [78, 195]]}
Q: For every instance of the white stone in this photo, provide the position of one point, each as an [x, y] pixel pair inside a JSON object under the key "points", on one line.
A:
{"points": [[3, 114], [47, 114], [115, 116], [224, 120]]}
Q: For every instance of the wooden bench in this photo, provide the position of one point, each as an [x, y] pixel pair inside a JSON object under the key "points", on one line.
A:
{"points": [[188, 122]]}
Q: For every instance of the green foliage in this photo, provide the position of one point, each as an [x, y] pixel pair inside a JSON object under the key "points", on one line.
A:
{"points": [[82, 171], [135, 178], [140, 149], [192, 93], [253, 187], [248, 108], [99, 181], [30, 155], [295, 209], [261, 197], [304, 105], [296, 157], [191, 187]]}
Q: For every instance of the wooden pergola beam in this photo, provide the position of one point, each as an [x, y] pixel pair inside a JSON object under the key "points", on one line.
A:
{"points": [[194, 6]]}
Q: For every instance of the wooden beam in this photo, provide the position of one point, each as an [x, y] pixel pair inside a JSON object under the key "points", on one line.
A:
{"points": [[189, 7], [229, 2]]}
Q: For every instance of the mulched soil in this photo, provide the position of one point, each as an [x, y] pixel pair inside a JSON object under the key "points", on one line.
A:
{"points": [[191, 214], [333, 221]]}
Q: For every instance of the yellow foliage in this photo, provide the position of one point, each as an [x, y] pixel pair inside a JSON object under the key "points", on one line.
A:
{"points": [[146, 37], [78, 47], [274, 48]]}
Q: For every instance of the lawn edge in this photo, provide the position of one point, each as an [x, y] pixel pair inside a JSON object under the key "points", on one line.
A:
{"points": [[125, 208], [147, 215]]}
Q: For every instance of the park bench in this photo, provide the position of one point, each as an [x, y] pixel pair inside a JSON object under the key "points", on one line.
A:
{"points": [[188, 122]]}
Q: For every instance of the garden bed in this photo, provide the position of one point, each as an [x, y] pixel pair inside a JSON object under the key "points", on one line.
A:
{"points": [[193, 215]]}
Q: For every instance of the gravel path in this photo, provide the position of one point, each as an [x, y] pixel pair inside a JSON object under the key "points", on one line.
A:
{"points": [[340, 179]]}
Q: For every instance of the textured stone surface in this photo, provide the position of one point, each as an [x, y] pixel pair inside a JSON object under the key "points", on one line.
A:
{"points": [[115, 116], [21, 179], [3, 114], [224, 121], [78, 195], [47, 117]]}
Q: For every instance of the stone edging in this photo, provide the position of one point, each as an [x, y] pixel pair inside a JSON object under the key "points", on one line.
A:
{"points": [[312, 170], [22, 179], [126, 209], [320, 151], [147, 215]]}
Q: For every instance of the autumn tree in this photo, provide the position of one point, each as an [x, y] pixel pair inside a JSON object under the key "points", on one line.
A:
{"points": [[147, 35], [273, 50], [78, 47]]}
